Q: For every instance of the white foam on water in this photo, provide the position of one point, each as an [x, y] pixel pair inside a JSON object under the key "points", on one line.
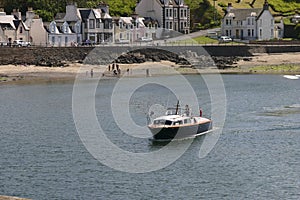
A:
{"points": [[291, 77]]}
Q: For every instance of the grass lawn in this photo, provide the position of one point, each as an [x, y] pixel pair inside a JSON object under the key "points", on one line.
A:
{"points": [[277, 68]]}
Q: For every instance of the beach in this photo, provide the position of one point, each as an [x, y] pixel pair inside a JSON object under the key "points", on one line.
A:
{"points": [[279, 63]]}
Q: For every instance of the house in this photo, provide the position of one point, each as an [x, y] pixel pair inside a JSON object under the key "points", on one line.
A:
{"points": [[131, 29], [171, 14], [89, 24], [251, 24], [37, 33], [61, 34], [12, 27]]}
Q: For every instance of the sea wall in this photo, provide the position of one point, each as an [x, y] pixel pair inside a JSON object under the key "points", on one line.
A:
{"points": [[59, 56]]}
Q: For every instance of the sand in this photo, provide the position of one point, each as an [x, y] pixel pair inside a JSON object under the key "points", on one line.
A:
{"points": [[24, 74]]}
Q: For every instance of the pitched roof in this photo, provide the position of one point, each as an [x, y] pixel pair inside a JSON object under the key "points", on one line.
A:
{"points": [[85, 13], [8, 19], [242, 14]]}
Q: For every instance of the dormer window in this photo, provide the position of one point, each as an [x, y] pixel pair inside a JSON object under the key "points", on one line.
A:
{"points": [[120, 24]]}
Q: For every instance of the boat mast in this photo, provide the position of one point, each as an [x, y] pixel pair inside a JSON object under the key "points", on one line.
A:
{"points": [[177, 107]]}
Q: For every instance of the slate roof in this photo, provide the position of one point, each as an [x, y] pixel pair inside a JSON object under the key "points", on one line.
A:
{"points": [[85, 13], [242, 14]]}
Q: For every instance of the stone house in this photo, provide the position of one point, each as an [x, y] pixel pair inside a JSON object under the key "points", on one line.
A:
{"points": [[171, 14], [251, 24], [37, 33], [88, 24]]}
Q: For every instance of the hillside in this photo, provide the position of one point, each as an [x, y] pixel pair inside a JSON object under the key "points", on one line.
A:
{"points": [[203, 14], [279, 7]]}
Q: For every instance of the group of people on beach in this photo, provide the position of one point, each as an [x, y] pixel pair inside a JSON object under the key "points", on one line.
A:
{"points": [[115, 69]]}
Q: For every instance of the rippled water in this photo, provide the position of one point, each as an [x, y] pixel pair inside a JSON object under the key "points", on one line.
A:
{"points": [[256, 157]]}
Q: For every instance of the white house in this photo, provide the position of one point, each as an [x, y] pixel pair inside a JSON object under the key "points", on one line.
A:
{"points": [[251, 24], [170, 14], [131, 29], [61, 35], [12, 27]]}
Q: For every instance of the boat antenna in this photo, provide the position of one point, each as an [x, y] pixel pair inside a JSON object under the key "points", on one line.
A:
{"points": [[177, 107]]}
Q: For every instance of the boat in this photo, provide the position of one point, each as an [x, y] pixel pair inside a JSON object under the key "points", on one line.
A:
{"points": [[179, 123]]}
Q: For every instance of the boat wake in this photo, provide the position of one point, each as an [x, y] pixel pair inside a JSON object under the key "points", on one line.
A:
{"points": [[182, 139]]}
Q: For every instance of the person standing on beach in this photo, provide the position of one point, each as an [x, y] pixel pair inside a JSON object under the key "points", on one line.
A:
{"points": [[92, 73]]}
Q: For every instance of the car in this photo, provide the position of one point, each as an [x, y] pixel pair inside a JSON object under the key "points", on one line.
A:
{"points": [[3, 44], [225, 39], [21, 43], [145, 39]]}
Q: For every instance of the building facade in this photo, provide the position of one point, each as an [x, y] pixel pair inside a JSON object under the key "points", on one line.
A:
{"points": [[251, 24], [171, 14]]}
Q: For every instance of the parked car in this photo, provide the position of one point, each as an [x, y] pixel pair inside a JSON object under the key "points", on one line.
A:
{"points": [[3, 44], [145, 39], [225, 39], [21, 43]]}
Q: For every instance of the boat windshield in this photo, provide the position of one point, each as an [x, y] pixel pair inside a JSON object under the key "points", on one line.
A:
{"points": [[173, 111], [162, 122]]}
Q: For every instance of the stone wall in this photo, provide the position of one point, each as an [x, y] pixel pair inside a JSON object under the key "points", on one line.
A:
{"points": [[196, 55]]}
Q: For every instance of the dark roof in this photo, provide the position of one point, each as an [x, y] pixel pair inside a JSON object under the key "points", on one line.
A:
{"points": [[242, 14], [17, 23], [47, 29], [85, 14]]}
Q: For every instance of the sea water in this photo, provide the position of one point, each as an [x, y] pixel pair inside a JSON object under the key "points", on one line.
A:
{"points": [[256, 157]]}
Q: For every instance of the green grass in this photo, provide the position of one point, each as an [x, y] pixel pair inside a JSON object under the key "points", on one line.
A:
{"points": [[205, 40], [277, 6], [197, 40], [290, 68]]}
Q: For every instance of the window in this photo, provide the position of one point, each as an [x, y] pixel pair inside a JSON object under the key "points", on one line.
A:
{"points": [[167, 12], [227, 22], [97, 23], [227, 33], [260, 32], [230, 22], [171, 25], [171, 13], [248, 21], [91, 23], [21, 29], [66, 40], [167, 25], [249, 32], [252, 32], [121, 24], [181, 13], [185, 13], [53, 40], [175, 13], [185, 24]]}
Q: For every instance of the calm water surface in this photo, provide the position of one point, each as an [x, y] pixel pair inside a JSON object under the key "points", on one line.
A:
{"points": [[256, 157]]}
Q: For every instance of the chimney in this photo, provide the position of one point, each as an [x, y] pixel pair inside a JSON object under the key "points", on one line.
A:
{"points": [[104, 7], [17, 14], [266, 5], [2, 13], [229, 7], [30, 13]]}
